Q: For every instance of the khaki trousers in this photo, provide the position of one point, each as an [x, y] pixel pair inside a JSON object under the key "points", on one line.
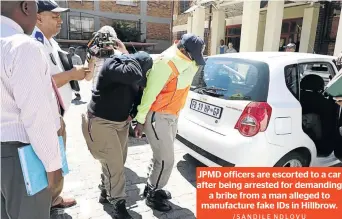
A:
{"points": [[56, 191], [161, 130], [107, 142]]}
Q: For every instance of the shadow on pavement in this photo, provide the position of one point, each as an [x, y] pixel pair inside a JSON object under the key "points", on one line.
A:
{"points": [[132, 192], [78, 102], [187, 168], [59, 214], [177, 212], [132, 141]]}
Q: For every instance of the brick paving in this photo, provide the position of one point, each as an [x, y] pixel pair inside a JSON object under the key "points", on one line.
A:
{"points": [[84, 177], [82, 182]]}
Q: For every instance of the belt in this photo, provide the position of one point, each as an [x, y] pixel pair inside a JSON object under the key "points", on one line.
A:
{"points": [[12, 143]]}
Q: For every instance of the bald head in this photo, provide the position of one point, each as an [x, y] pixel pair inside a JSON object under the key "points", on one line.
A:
{"points": [[23, 13]]}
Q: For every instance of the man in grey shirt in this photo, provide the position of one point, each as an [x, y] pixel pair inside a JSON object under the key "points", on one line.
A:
{"points": [[76, 60]]}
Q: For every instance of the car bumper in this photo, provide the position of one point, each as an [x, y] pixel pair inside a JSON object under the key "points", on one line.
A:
{"points": [[214, 149]]}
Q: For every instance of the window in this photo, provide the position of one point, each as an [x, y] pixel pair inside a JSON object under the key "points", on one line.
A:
{"points": [[324, 70], [127, 2], [334, 24], [81, 28], [292, 80], [234, 79], [183, 6], [290, 32]]}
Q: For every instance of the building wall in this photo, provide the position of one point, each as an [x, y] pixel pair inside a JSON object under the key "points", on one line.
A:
{"points": [[159, 8], [157, 31], [180, 25], [154, 17], [85, 5], [326, 28], [112, 6], [179, 19]]}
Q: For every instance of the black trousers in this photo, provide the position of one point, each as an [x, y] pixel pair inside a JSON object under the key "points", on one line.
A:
{"points": [[15, 203]]}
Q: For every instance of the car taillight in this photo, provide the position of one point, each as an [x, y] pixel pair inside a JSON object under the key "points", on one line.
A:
{"points": [[254, 119]]}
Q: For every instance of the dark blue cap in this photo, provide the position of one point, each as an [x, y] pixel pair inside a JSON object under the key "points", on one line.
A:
{"points": [[50, 5], [194, 45]]}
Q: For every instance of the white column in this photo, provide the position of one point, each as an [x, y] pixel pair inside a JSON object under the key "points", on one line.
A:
{"points": [[250, 23], [309, 28], [338, 43], [217, 30], [189, 24], [198, 21], [275, 11]]}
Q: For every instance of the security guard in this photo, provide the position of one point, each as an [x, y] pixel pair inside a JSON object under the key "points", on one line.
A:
{"points": [[167, 87], [49, 25]]}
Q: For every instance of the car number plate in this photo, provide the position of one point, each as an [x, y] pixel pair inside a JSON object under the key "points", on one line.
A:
{"points": [[207, 109]]}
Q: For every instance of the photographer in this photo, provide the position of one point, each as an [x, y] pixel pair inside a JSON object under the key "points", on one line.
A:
{"points": [[115, 95], [95, 62]]}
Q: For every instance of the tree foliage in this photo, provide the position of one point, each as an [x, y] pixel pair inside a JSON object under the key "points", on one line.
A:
{"points": [[127, 32]]}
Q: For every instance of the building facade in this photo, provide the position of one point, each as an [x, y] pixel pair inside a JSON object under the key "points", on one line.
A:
{"points": [[152, 18], [262, 25]]}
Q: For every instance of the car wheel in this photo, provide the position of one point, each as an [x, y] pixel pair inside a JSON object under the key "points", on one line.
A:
{"points": [[293, 159]]}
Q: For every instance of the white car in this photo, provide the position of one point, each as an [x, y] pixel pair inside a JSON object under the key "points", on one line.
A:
{"points": [[262, 109]]}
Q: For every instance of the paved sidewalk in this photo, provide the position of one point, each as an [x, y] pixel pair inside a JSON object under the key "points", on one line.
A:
{"points": [[82, 182]]}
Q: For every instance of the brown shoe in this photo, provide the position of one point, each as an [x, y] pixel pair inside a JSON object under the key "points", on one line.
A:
{"points": [[65, 203]]}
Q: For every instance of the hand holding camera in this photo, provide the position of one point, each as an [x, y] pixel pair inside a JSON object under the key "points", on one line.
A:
{"points": [[120, 46]]}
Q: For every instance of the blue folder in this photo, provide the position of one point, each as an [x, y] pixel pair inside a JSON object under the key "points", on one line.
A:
{"points": [[33, 170]]}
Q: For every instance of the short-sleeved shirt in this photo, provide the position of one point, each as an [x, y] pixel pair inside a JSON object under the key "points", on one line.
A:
{"points": [[76, 60], [56, 67]]}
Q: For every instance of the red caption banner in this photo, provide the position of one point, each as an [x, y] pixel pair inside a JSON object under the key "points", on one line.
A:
{"points": [[269, 193]]}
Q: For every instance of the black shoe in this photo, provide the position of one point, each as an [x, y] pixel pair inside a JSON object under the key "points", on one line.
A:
{"points": [[160, 193], [154, 201], [120, 211], [78, 97], [103, 197]]}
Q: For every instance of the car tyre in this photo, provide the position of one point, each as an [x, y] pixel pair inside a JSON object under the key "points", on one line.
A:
{"points": [[293, 159]]}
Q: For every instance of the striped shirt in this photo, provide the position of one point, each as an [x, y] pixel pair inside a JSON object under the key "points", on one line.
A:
{"points": [[28, 103]]}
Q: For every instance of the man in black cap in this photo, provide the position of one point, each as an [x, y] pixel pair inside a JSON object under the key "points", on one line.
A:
{"points": [[167, 88], [48, 25]]}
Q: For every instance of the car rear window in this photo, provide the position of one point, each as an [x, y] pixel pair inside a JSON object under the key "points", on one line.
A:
{"points": [[234, 79]]}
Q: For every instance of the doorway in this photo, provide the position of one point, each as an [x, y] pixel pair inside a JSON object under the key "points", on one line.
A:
{"points": [[290, 32]]}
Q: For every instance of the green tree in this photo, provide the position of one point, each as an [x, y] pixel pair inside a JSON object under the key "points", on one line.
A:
{"points": [[127, 32]]}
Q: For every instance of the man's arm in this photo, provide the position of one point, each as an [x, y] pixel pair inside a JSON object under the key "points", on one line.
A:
{"points": [[79, 72], [156, 81], [92, 67], [62, 78], [137, 101], [32, 98]]}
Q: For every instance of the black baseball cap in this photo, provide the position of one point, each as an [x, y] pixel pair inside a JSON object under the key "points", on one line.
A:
{"points": [[194, 45], [50, 5]]}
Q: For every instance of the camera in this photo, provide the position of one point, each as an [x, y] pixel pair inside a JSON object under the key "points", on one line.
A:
{"points": [[97, 46]]}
